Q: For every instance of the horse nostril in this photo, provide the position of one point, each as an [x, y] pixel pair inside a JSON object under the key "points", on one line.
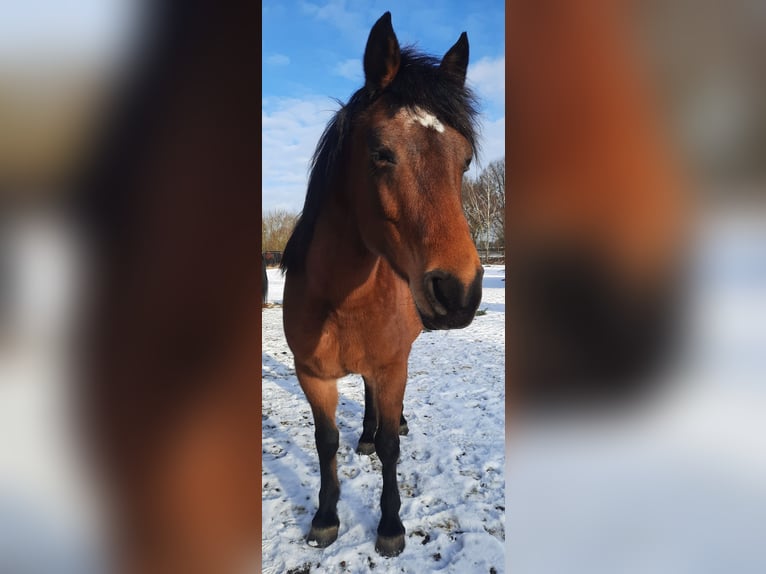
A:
{"points": [[440, 293], [444, 291]]}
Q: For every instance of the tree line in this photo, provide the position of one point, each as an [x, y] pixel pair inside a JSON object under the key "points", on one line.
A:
{"points": [[276, 227], [483, 206]]}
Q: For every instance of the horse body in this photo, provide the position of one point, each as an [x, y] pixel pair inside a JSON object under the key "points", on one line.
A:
{"points": [[381, 249], [344, 289], [331, 338]]}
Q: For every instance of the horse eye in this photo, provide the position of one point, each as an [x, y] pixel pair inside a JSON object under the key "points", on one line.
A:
{"points": [[467, 165], [383, 155]]}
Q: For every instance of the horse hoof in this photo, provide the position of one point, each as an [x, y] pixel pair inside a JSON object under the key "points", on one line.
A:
{"points": [[404, 430], [389, 546], [322, 537], [365, 448]]}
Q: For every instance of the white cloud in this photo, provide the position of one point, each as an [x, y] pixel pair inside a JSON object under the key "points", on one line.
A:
{"points": [[277, 60], [491, 142], [350, 69], [350, 20], [291, 130], [487, 78]]}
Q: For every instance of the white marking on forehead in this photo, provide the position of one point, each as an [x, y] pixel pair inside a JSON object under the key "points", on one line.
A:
{"points": [[424, 118]]}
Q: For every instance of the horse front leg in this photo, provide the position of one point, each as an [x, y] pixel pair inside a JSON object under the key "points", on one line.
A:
{"points": [[370, 424], [389, 395], [323, 398]]}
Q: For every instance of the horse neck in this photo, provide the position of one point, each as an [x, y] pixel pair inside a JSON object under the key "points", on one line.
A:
{"points": [[338, 261]]}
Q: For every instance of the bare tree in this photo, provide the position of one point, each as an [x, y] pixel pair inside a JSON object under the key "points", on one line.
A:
{"points": [[276, 227], [484, 206], [494, 181], [473, 207]]}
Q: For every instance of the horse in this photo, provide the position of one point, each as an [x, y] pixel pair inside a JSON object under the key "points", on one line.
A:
{"points": [[596, 213], [167, 201], [381, 249]]}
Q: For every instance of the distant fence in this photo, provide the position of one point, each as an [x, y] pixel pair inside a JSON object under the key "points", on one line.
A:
{"points": [[273, 258], [492, 257]]}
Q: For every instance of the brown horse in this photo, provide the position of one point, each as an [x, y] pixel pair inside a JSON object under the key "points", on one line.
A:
{"points": [[381, 249], [595, 209]]}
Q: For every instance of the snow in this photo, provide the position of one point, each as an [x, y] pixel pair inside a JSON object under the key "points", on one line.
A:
{"points": [[451, 476]]}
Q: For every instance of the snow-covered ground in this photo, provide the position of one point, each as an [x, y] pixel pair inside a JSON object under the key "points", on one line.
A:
{"points": [[451, 475]]}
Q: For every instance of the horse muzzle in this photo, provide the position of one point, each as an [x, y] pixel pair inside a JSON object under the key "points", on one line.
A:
{"points": [[452, 303]]}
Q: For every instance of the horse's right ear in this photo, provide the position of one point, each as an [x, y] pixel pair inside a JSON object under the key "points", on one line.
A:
{"points": [[381, 56]]}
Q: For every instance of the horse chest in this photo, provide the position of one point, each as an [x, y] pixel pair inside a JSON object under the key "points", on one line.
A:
{"points": [[351, 343]]}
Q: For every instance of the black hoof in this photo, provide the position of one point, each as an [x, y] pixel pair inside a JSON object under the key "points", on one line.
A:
{"points": [[389, 546], [404, 429], [322, 537], [365, 448]]}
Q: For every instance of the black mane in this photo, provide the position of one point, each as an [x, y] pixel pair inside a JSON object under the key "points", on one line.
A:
{"points": [[417, 83]]}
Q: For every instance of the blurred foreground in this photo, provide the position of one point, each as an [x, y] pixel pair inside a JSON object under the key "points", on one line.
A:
{"points": [[671, 481], [675, 484], [51, 517]]}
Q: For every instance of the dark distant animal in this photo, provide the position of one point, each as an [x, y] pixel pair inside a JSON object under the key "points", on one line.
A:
{"points": [[381, 249], [264, 281]]}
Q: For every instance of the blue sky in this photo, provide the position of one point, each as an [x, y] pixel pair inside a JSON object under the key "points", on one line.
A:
{"points": [[312, 53]]}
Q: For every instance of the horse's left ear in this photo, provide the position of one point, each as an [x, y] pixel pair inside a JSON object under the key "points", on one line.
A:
{"points": [[382, 55], [455, 61]]}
